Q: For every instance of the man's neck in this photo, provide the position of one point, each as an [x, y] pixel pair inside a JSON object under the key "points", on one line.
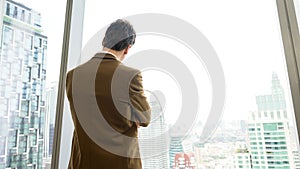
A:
{"points": [[117, 54]]}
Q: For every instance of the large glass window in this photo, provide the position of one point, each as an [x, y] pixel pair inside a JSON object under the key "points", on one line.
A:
{"points": [[30, 44], [247, 40]]}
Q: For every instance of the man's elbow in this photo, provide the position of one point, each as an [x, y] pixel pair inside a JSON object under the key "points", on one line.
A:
{"points": [[147, 119]]}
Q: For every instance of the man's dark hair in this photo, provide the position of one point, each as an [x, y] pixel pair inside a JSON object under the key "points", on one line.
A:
{"points": [[119, 35]]}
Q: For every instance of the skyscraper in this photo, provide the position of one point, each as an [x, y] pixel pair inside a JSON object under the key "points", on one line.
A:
{"points": [[152, 139], [175, 148], [274, 101], [50, 107], [177, 145], [269, 135], [22, 88], [51, 98]]}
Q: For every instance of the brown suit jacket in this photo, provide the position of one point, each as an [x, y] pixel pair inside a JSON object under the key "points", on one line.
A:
{"points": [[106, 101]]}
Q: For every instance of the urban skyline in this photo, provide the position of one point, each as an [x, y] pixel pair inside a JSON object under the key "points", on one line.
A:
{"points": [[39, 122]]}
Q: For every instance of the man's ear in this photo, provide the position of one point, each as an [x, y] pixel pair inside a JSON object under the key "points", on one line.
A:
{"points": [[126, 50]]}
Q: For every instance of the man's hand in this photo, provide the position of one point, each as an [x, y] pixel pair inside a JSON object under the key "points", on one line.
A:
{"points": [[137, 124]]}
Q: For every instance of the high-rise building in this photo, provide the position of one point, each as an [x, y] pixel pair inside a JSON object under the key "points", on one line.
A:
{"points": [[22, 88], [275, 100], [176, 145], [242, 159], [269, 134], [153, 139], [51, 98]]}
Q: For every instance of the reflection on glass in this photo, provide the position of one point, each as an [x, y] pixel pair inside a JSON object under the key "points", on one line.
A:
{"points": [[258, 129], [27, 106]]}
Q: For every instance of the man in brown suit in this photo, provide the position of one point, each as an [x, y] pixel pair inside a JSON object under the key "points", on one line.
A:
{"points": [[108, 105]]}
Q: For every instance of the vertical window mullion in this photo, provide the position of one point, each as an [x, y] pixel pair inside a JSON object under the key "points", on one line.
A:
{"points": [[291, 43], [61, 88]]}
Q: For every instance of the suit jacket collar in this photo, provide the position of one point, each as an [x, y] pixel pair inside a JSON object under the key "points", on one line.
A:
{"points": [[106, 55]]}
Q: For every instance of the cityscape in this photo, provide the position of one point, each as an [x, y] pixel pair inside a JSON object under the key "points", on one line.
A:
{"points": [[266, 140]]}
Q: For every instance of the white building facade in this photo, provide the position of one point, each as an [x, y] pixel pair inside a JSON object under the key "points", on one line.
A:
{"points": [[153, 139], [269, 133], [22, 88]]}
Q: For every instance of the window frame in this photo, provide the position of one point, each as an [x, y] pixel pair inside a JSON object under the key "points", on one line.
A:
{"points": [[75, 9], [73, 27], [291, 44]]}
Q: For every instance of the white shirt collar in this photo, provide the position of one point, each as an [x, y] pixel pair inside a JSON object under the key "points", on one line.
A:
{"points": [[107, 52]]}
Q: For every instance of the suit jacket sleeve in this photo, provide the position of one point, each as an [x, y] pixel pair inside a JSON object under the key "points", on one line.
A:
{"points": [[139, 105]]}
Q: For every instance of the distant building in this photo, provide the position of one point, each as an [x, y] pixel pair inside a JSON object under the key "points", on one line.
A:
{"points": [[22, 87], [184, 161], [242, 159], [153, 139], [51, 97], [243, 125], [269, 135], [175, 148], [274, 101], [215, 155], [188, 145], [199, 147], [176, 143]]}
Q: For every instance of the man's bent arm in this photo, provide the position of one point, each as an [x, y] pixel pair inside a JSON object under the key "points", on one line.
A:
{"points": [[141, 109]]}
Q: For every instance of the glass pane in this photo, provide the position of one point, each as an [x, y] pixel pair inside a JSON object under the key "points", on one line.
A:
{"points": [[31, 40], [256, 127], [297, 8]]}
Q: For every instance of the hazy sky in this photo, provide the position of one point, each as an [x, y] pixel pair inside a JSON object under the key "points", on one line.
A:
{"points": [[245, 35]]}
